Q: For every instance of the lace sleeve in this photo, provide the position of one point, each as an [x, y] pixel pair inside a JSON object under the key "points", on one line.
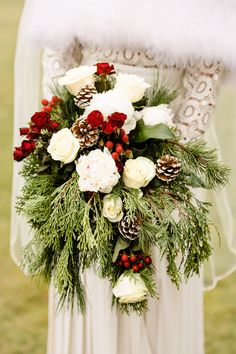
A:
{"points": [[201, 82], [56, 63]]}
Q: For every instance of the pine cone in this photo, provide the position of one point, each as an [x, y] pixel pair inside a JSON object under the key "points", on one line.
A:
{"points": [[86, 135], [84, 96], [167, 168], [130, 229]]}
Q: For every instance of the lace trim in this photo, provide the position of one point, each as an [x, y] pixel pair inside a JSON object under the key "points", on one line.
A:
{"points": [[201, 83], [143, 58]]}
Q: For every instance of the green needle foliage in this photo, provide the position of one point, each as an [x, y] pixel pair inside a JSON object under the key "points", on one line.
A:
{"points": [[71, 234]]}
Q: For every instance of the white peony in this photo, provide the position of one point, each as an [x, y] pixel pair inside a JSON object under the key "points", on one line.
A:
{"points": [[130, 289], [112, 208], [97, 172], [131, 86], [110, 102], [76, 78], [63, 146], [138, 172], [159, 114]]}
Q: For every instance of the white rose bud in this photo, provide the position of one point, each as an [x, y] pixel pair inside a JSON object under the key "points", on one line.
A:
{"points": [[131, 86], [63, 146], [138, 172], [76, 78], [97, 171], [130, 289], [112, 208], [159, 114]]}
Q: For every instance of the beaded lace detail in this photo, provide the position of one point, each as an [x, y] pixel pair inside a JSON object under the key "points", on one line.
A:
{"points": [[200, 81]]}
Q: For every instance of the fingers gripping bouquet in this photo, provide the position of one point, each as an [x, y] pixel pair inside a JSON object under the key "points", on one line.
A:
{"points": [[107, 180]]}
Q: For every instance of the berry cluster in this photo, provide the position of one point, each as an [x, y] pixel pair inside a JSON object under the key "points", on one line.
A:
{"points": [[48, 105], [135, 261], [119, 149]]}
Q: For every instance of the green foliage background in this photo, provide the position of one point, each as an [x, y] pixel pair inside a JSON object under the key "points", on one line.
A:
{"points": [[23, 304]]}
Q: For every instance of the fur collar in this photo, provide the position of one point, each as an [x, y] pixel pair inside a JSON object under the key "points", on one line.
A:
{"points": [[177, 30]]}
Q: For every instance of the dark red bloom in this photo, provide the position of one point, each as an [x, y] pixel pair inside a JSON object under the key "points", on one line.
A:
{"points": [[107, 128], [24, 131], [27, 146], [18, 154], [105, 69], [119, 166], [41, 119], [117, 119], [95, 119], [53, 125], [34, 132]]}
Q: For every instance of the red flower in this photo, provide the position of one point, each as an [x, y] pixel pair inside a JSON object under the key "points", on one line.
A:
{"points": [[95, 119], [27, 146], [107, 128], [119, 166], [105, 69], [40, 119], [117, 119], [24, 131], [18, 154], [34, 132]]}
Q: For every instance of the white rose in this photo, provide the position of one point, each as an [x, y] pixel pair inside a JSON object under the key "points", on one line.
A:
{"points": [[130, 289], [76, 78], [112, 208], [97, 171], [110, 102], [159, 114], [138, 172], [63, 146], [131, 86]]}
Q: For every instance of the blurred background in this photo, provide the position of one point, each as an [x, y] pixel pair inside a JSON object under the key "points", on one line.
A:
{"points": [[23, 304]]}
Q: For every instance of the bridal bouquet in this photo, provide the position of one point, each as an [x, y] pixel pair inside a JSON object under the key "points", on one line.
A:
{"points": [[106, 181]]}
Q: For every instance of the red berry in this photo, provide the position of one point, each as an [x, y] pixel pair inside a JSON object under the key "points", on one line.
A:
{"points": [[125, 138], [48, 109], [115, 155], [148, 260], [125, 258], [109, 144], [140, 265], [51, 103], [135, 268], [55, 99], [127, 265], [119, 148], [44, 102], [133, 258], [120, 263], [140, 256]]}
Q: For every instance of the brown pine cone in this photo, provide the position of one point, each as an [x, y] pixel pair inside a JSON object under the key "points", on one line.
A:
{"points": [[86, 135], [130, 229], [167, 168], [84, 96]]}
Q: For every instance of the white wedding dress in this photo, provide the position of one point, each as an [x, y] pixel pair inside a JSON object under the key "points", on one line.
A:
{"points": [[174, 323]]}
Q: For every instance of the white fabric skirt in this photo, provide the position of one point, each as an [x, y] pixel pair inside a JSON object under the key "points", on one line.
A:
{"points": [[173, 324]]}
